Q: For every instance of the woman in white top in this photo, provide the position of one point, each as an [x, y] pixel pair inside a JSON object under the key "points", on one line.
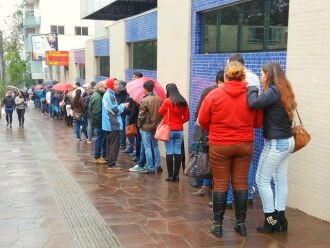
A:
{"points": [[20, 104]]}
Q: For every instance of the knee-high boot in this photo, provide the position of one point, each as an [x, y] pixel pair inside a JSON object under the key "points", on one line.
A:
{"points": [[241, 202], [177, 165], [169, 163], [219, 208]]}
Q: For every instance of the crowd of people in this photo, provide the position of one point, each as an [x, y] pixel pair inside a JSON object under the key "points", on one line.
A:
{"points": [[226, 116]]}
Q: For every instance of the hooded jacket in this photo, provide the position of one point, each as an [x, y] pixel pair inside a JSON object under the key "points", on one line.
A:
{"points": [[226, 115], [174, 115], [95, 108], [111, 111]]}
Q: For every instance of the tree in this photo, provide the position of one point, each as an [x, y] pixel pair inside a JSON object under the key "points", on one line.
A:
{"points": [[13, 49]]}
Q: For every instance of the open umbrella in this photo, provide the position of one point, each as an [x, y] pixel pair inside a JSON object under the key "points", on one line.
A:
{"points": [[13, 88], [136, 91], [63, 86]]}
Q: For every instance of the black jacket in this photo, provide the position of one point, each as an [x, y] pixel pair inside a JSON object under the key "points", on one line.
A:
{"points": [[277, 124], [132, 111], [9, 102]]}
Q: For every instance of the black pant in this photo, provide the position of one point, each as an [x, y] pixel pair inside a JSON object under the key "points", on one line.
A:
{"points": [[20, 113], [9, 117], [112, 146]]}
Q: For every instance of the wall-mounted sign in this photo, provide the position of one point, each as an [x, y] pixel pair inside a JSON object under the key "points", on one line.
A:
{"points": [[57, 58], [42, 43]]}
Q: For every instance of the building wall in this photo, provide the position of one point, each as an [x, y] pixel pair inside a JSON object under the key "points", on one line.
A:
{"points": [[142, 27], [119, 59], [308, 70], [90, 61], [73, 73], [204, 68]]}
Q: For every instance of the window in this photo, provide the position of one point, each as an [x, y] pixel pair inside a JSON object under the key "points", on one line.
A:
{"points": [[143, 55], [81, 30], [104, 66], [57, 29], [81, 71], [258, 25]]}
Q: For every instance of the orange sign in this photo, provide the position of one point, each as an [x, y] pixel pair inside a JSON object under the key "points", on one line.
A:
{"points": [[57, 58]]}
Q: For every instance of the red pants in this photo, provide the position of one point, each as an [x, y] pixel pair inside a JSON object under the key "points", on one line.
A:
{"points": [[231, 162]]}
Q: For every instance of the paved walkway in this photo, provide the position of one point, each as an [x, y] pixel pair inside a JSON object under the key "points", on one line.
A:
{"points": [[50, 192]]}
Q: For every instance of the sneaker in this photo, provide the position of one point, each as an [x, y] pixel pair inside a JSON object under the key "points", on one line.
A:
{"points": [[159, 169], [100, 161], [136, 168], [128, 151], [148, 172], [93, 160], [89, 142]]}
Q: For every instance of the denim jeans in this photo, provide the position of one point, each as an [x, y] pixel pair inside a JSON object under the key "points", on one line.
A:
{"points": [[100, 148], [81, 123], [150, 144], [89, 129], [273, 163], [142, 156], [173, 146]]}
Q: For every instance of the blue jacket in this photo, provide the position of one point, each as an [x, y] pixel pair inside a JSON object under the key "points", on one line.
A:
{"points": [[111, 111]]}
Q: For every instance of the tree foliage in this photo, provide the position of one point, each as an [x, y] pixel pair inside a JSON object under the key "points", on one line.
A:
{"points": [[13, 49]]}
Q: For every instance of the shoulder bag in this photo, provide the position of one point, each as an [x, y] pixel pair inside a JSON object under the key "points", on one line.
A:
{"points": [[163, 130], [301, 136]]}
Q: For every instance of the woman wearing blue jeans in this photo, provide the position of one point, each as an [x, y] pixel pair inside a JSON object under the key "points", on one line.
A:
{"points": [[278, 103], [175, 112], [78, 107]]}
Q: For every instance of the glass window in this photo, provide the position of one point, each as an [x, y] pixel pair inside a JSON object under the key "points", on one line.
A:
{"points": [[60, 29], [104, 66], [84, 31], [77, 30], [257, 25], [53, 29], [81, 71], [143, 55]]}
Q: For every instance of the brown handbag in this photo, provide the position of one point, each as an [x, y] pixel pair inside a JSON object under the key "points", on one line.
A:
{"points": [[131, 130], [301, 136]]}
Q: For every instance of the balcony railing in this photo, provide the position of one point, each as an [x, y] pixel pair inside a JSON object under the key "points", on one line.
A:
{"points": [[32, 18]]}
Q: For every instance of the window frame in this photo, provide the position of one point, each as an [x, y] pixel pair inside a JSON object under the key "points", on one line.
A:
{"points": [[56, 29], [267, 29], [81, 30]]}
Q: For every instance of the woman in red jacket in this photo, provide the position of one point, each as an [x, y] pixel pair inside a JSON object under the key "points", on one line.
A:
{"points": [[226, 115], [175, 112]]}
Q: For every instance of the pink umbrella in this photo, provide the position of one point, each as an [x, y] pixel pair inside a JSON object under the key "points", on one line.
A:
{"points": [[63, 86], [136, 91]]}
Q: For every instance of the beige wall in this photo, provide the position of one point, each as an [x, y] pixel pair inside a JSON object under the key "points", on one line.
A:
{"points": [[90, 61], [173, 46], [308, 68], [119, 59]]}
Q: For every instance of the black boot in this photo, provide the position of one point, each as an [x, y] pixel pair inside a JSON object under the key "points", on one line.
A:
{"points": [[283, 221], [169, 163], [177, 165], [271, 224], [219, 207], [241, 201]]}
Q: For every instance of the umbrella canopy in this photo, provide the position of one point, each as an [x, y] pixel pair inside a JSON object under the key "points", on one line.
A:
{"points": [[136, 91], [49, 83], [38, 87], [13, 88], [63, 87]]}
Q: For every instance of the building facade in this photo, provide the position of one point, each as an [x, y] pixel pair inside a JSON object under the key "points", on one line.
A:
{"points": [[58, 25], [190, 40]]}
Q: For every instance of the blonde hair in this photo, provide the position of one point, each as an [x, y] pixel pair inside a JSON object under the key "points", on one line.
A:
{"points": [[277, 76], [234, 71]]}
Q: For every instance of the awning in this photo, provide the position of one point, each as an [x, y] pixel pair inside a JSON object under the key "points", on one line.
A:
{"points": [[120, 9]]}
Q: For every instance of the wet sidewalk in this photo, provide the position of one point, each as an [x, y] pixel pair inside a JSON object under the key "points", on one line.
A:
{"points": [[53, 196]]}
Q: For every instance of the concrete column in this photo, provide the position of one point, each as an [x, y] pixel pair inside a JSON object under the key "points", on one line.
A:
{"points": [[174, 46], [119, 52], [308, 70], [90, 61]]}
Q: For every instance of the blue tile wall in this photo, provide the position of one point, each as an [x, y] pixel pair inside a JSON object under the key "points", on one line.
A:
{"points": [[141, 28], [205, 66], [102, 47], [146, 73], [100, 78]]}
